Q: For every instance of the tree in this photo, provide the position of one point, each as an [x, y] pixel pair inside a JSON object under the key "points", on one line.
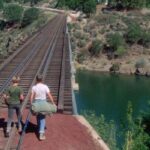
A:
{"points": [[29, 16], [89, 6], [1, 4], [73, 4], [13, 12], [132, 3]]}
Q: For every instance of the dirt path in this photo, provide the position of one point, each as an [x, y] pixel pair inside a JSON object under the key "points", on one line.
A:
{"points": [[63, 132]]}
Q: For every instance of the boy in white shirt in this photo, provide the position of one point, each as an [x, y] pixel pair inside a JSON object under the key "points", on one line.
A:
{"points": [[39, 93]]}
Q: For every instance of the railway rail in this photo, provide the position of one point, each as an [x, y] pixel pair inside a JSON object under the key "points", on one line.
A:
{"points": [[46, 53]]}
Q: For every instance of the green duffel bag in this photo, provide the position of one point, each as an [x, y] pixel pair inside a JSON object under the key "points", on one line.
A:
{"points": [[42, 107]]}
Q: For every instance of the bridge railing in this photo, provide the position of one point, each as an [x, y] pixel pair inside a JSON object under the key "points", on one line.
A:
{"points": [[74, 105]]}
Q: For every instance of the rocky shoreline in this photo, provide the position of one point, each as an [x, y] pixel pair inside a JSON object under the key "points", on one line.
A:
{"points": [[125, 66]]}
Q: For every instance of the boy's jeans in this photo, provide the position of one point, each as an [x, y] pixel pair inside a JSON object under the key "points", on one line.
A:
{"points": [[41, 120], [41, 123], [11, 111]]}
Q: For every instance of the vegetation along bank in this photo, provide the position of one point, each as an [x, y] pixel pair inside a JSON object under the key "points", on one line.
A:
{"points": [[115, 38], [17, 24]]}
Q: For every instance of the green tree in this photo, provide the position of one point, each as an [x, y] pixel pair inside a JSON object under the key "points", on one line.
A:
{"points": [[132, 3], [147, 3], [13, 12], [29, 16], [1, 4], [73, 4], [89, 6], [8, 1]]}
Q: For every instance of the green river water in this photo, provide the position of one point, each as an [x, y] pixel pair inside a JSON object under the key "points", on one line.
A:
{"points": [[109, 94]]}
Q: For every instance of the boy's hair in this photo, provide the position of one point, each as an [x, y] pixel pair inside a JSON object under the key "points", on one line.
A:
{"points": [[39, 78], [15, 79]]}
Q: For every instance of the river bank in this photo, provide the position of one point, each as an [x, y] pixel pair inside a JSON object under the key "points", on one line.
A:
{"points": [[126, 65], [114, 41]]}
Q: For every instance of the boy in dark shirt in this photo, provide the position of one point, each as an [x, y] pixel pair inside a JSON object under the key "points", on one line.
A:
{"points": [[13, 97]]}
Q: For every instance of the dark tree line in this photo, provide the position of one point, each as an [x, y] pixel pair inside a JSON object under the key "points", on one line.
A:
{"points": [[87, 6], [131, 3]]}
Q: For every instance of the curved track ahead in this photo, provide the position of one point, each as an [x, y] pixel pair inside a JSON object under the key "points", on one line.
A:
{"points": [[46, 53]]}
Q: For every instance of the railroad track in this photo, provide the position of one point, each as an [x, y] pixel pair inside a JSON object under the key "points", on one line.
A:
{"points": [[46, 53]]}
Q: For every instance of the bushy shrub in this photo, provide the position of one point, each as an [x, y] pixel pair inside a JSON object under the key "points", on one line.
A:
{"points": [[135, 131], [128, 21], [86, 36], [70, 26], [102, 31], [115, 41], [105, 19], [13, 12], [93, 33], [134, 33], [80, 57], [52, 4], [81, 43], [96, 47], [77, 34], [140, 63], [115, 67], [29, 16], [42, 19], [106, 129], [73, 45], [120, 51], [76, 26], [145, 39], [146, 17], [87, 29]]}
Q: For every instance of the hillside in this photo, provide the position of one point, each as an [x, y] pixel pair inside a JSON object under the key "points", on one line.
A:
{"points": [[18, 23], [117, 41], [108, 40]]}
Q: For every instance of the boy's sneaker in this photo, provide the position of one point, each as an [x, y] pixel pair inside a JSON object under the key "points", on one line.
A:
{"points": [[42, 136]]}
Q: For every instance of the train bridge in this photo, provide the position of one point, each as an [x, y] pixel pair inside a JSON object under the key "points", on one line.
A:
{"points": [[48, 53]]}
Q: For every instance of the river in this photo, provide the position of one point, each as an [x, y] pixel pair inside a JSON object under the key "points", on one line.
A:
{"points": [[108, 94]]}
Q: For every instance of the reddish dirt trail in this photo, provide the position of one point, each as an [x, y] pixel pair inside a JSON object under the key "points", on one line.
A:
{"points": [[63, 132]]}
